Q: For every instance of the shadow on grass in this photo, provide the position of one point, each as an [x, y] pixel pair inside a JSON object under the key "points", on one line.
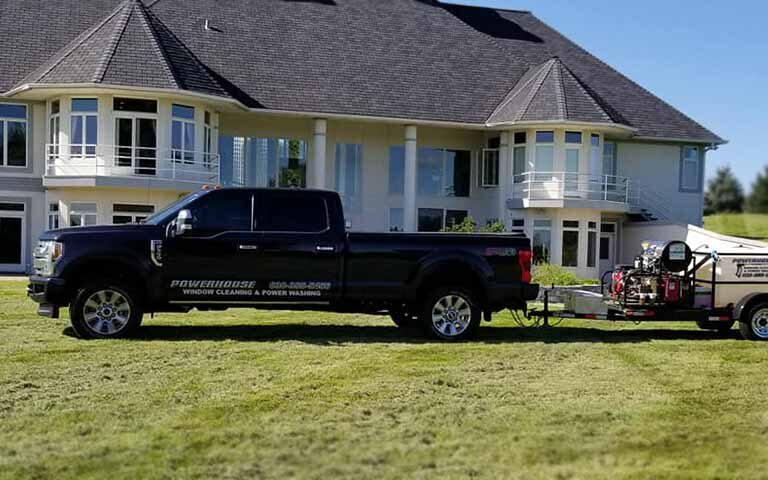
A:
{"points": [[341, 334]]}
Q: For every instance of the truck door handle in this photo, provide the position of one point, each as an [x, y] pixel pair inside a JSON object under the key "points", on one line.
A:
{"points": [[325, 248], [249, 248]]}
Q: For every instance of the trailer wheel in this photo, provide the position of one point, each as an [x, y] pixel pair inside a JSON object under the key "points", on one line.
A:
{"points": [[451, 314], [719, 327], [105, 309], [755, 325]]}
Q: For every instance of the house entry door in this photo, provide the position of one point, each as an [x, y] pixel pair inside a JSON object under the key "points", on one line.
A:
{"points": [[12, 234], [607, 247]]}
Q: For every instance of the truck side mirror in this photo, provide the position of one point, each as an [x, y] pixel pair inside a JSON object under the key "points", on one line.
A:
{"points": [[183, 222]]}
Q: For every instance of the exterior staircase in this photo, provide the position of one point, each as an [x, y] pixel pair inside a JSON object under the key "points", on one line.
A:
{"points": [[647, 205]]}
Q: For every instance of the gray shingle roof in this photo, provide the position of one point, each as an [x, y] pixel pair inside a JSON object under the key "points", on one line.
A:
{"points": [[410, 59]]}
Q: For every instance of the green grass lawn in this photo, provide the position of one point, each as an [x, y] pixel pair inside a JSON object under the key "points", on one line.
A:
{"points": [[749, 225], [245, 394]]}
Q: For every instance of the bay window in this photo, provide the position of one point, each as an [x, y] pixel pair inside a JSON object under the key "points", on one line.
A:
{"points": [[13, 135], [544, 161], [572, 154], [348, 169], [183, 134], [84, 121]]}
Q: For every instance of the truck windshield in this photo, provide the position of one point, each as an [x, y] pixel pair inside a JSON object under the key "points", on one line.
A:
{"points": [[172, 210]]}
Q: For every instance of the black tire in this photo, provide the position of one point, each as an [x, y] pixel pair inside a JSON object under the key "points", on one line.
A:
{"points": [[754, 326], [452, 303], [403, 319], [105, 308], [719, 327]]}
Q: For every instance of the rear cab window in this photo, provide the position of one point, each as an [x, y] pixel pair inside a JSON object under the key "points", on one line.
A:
{"points": [[290, 212]]}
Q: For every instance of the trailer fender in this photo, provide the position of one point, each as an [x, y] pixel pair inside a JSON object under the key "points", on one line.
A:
{"points": [[745, 304]]}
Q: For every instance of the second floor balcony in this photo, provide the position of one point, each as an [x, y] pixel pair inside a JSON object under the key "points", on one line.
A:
{"points": [[129, 166], [569, 189]]}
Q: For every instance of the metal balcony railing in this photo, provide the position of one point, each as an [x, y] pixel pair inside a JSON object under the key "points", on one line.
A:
{"points": [[571, 186], [129, 161]]}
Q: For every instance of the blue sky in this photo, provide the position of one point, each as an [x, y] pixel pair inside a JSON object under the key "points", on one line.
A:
{"points": [[707, 58]]}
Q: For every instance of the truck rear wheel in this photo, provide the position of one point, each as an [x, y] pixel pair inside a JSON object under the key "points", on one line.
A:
{"points": [[105, 309], [755, 325], [451, 314]]}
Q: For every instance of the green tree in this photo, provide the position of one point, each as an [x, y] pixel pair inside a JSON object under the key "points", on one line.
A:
{"points": [[724, 193], [758, 199]]}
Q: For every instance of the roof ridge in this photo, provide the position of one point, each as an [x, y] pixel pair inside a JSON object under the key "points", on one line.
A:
{"points": [[548, 66], [562, 104], [77, 42], [586, 92], [516, 89], [109, 53], [159, 50]]}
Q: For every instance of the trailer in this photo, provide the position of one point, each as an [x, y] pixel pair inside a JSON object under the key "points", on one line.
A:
{"points": [[669, 281]]}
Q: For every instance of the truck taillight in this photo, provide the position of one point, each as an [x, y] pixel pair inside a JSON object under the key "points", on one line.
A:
{"points": [[525, 257]]}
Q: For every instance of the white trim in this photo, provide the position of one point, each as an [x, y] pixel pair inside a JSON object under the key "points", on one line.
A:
{"points": [[27, 131], [21, 266]]}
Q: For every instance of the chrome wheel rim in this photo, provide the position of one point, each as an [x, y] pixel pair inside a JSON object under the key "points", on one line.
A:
{"points": [[106, 312], [451, 315], [760, 323]]}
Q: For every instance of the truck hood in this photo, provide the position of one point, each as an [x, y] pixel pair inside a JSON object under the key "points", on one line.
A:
{"points": [[132, 229]]}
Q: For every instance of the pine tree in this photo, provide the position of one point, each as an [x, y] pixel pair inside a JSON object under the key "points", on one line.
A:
{"points": [[758, 199], [724, 193]]}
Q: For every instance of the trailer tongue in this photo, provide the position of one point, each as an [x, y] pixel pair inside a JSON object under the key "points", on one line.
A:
{"points": [[670, 282]]}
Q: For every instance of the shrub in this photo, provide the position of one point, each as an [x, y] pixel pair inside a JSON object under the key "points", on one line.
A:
{"points": [[494, 226], [545, 275], [466, 226]]}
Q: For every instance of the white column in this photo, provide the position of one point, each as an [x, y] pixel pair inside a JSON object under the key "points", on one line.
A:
{"points": [[409, 193], [318, 153], [505, 175]]}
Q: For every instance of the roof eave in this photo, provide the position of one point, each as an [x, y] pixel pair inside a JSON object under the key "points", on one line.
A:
{"points": [[703, 141]]}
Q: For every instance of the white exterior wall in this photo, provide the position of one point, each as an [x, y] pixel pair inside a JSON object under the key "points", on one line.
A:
{"points": [[105, 198], [657, 167]]}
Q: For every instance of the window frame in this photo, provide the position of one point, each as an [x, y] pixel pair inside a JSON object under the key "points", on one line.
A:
{"points": [[683, 186], [484, 160], [351, 202], [572, 229], [87, 150], [263, 199], [519, 176], [541, 227], [133, 214], [443, 216], [83, 213], [4, 136], [444, 181], [53, 216], [183, 155]]}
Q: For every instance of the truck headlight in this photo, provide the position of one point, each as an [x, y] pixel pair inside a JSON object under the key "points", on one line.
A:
{"points": [[47, 254]]}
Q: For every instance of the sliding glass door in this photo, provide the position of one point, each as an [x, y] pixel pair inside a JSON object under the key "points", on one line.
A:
{"points": [[136, 144]]}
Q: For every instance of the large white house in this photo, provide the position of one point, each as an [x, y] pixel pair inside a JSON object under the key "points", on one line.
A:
{"points": [[418, 113]]}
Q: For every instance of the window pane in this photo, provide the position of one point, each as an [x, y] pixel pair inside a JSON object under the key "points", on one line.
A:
{"points": [[146, 151], [396, 169], [595, 140], [2, 142], [85, 105], [520, 137], [207, 215], [122, 207], [608, 227], [545, 158], [293, 213], [458, 171], [13, 111], [455, 217], [82, 207], [121, 219], [293, 168], [518, 222], [570, 224], [17, 144], [396, 220], [12, 207], [189, 141], [490, 167], [76, 130], [181, 111], [591, 249], [430, 219], [572, 137], [349, 175], [91, 130], [572, 160], [604, 248], [542, 223], [430, 171], [55, 107], [545, 137], [134, 105], [542, 240], [124, 142], [570, 248], [176, 139], [518, 164]]}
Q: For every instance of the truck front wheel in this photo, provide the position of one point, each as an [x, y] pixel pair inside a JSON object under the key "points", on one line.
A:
{"points": [[755, 325], [105, 309], [451, 314]]}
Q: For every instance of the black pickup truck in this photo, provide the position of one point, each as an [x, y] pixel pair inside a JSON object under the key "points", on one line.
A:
{"points": [[274, 249]]}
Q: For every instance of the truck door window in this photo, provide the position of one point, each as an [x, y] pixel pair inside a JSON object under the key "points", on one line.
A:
{"points": [[224, 211], [286, 212]]}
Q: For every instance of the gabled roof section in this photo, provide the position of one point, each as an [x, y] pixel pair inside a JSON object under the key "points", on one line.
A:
{"points": [[129, 47], [551, 92]]}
